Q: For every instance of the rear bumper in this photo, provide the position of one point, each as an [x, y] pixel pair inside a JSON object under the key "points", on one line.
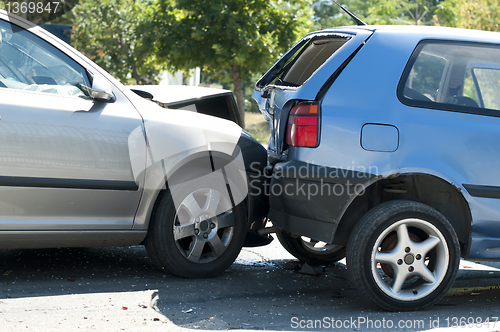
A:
{"points": [[309, 200]]}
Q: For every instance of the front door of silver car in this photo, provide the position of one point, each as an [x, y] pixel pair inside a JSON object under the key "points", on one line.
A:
{"points": [[64, 157]]}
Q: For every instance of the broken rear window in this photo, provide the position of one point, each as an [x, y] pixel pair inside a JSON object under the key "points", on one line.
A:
{"points": [[303, 60]]}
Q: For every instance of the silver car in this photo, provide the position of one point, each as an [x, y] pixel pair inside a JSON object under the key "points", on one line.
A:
{"points": [[85, 161]]}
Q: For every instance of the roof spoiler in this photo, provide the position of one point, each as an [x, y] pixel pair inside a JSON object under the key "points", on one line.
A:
{"points": [[357, 20]]}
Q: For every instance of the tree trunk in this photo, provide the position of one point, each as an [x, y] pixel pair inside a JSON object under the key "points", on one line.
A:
{"points": [[135, 74], [238, 91]]}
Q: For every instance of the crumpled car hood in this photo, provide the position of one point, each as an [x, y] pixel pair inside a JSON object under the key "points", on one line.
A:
{"points": [[173, 136], [177, 141]]}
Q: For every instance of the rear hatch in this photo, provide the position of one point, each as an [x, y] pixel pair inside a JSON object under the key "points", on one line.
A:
{"points": [[304, 73]]}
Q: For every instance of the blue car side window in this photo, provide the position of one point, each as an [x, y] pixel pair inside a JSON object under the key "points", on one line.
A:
{"points": [[453, 76]]}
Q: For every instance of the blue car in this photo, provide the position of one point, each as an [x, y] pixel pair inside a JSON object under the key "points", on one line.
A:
{"points": [[385, 149]]}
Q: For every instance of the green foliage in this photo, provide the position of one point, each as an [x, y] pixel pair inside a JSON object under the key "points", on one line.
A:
{"points": [[327, 14], [224, 79], [112, 33], [216, 34], [406, 12], [52, 9], [473, 14], [237, 37]]}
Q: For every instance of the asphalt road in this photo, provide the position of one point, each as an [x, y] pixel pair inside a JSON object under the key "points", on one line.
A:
{"points": [[118, 289]]}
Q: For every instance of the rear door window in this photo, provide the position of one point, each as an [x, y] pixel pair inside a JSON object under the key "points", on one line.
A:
{"points": [[425, 76], [455, 76]]}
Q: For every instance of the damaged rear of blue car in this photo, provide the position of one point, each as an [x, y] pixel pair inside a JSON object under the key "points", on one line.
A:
{"points": [[384, 149]]}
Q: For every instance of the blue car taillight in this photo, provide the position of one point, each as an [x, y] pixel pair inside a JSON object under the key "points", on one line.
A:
{"points": [[303, 125]]}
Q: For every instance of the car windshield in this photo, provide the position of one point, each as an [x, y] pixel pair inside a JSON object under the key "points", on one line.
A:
{"points": [[29, 63]]}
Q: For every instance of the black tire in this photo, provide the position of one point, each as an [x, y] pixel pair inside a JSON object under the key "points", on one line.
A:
{"points": [[311, 251], [403, 255], [196, 248]]}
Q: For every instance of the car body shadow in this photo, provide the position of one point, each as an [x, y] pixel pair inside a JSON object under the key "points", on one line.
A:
{"points": [[259, 294]]}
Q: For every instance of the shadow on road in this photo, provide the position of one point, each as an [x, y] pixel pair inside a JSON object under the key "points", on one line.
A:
{"points": [[259, 295]]}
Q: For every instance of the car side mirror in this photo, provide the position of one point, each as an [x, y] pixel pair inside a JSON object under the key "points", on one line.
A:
{"points": [[101, 90]]}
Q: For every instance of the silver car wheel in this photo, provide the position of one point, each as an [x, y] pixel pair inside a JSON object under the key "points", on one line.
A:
{"points": [[405, 267], [204, 225]]}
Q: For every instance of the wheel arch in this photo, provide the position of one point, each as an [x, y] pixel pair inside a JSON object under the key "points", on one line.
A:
{"points": [[428, 189], [189, 233], [197, 164]]}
